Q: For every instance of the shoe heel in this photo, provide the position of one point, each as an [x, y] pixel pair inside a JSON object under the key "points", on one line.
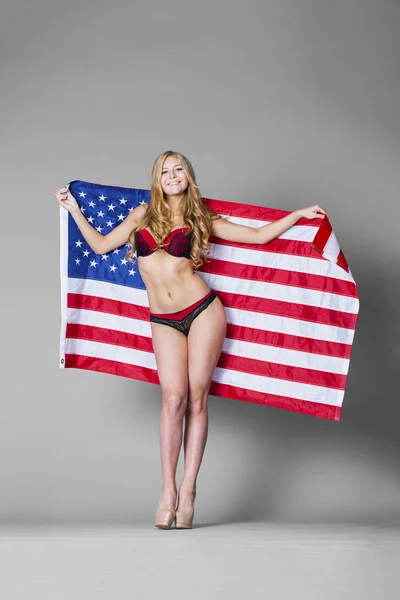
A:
{"points": [[164, 518], [184, 518]]}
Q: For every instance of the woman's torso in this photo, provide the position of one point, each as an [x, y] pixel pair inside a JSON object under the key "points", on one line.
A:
{"points": [[170, 281]]}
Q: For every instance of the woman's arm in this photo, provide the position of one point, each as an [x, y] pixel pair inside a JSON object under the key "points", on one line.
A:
{"points": [[232, 232], [100, 244]]}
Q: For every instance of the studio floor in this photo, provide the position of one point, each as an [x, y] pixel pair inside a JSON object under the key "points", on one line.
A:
{"points": [[233, 561]]}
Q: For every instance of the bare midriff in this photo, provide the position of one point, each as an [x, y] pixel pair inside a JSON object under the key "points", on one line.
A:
{"points": [[170, 282]]}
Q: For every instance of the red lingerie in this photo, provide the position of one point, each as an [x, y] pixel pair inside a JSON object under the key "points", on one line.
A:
{"points": [[177, 243]]}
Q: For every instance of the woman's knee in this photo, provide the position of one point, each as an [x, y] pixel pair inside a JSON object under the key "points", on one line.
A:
{"points": [[197, 399], [174, 403]]}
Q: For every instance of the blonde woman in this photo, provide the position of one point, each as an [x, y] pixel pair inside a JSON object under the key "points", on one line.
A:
{"points": [[187, 319]]}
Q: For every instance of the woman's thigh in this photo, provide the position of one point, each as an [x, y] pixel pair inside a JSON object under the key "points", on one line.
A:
{"points": [[205, 341], [171, 352]]}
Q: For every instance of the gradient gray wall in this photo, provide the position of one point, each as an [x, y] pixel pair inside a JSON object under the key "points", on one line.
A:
{"points": [[284, 103]]}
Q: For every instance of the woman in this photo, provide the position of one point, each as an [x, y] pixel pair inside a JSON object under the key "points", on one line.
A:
{"points": [[187, 319]]}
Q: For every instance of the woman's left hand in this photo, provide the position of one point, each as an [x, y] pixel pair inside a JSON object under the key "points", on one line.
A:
{"points": [[311, 212]]}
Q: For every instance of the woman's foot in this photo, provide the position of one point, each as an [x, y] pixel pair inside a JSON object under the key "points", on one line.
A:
{"points": [[185, 511], [186, 497], [168, 498], [165, 514]]}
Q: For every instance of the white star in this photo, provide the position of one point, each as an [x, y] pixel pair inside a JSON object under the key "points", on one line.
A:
{"points": [[111, 206], [123, 261], [121, 217], [113, 268], [130, 209], [100, 214], [109, 223], [82, 194], [127, 245], [102, 198], [131, 272], [91, 203], [78, 262], [90, 219], [93, 263], [142, 202], [122, 201], [86, 253], [116, 251], [78, 243], [83, 209], [99, 229], [104, 256]]}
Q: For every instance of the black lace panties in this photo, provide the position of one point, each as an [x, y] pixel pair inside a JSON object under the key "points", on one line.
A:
{"points": [[184, 324]]}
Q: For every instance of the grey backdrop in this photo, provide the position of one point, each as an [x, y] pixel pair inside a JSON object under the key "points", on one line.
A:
{"points": [[284, 103]]}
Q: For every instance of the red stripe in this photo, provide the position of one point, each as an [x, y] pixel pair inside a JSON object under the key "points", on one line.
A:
{"points": [[288, 309], [315, 409], [342, 262], [105, 305], [322, 235], [113, 337], [279, 276], [113, 367], [261, 213], [290, 342], [230, 392], [276, 246]]}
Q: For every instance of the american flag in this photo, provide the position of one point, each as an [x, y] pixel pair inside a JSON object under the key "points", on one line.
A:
{"points": [[291, 305]]}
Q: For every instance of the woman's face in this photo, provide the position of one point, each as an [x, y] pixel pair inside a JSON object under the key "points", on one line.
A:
{"points": [[173, 178]]}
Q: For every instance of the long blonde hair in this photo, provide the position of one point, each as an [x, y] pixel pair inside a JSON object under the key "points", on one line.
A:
{"points": [[157, 217]]}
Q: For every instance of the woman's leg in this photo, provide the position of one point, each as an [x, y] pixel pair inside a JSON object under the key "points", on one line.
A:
{"points": [[170, 350], [205, 340]]}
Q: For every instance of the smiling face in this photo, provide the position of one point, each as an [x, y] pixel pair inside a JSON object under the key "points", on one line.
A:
{"points": [[173, 178]]}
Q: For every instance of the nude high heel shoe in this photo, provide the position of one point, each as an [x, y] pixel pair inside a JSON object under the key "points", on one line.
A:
{"points": [[164, 518], [184, 516]]}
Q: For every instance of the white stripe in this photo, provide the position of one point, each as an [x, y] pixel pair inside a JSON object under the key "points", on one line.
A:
{"points": [[274, 260], [109, 321], [285, 293], [303, 233], [280, 387], [130, 356], [270, 385], [331, 249], [286, 356], [112, 291], [245, 349], [289, 326]]}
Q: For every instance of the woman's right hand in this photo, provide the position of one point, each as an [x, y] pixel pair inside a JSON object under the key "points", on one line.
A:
{"points": [[66, 199]]}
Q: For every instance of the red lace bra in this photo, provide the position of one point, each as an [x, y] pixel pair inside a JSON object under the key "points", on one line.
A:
{"points": [[177, 243]]}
